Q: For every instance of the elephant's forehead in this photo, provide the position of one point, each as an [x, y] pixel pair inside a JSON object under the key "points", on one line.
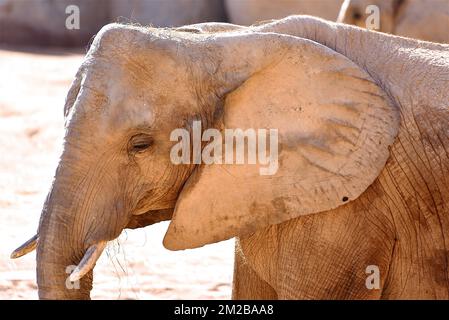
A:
{"points": [[127, 108], [127, 94], [111, 108]]}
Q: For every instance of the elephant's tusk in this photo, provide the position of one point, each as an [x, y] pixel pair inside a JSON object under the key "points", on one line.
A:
{"points": [[88, 261], [25, 248]]}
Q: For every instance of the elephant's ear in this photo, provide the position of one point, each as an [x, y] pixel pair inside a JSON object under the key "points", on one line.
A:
{"points": [[335, 126]]}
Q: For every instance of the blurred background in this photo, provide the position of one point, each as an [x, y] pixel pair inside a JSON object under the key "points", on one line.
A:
{"points": [[42, 22], [42, 44]]}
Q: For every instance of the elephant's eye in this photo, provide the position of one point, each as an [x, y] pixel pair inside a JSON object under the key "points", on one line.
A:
{"points": [[140, 143], [356, 15]]}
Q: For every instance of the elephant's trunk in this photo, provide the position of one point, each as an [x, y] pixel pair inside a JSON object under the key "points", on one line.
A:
{"points": [[73, 230], [59, 250], [68, 227]]}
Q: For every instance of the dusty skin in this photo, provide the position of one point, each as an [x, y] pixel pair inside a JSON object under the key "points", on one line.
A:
{"points": [[31, 129], [363, 175]]}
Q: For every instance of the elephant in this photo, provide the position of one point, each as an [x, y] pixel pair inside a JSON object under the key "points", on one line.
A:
{"points": [[420, 19], [358, 207], [247, 12]]}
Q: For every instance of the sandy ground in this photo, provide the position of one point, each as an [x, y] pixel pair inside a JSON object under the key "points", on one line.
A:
{"points": [[33, 86]]}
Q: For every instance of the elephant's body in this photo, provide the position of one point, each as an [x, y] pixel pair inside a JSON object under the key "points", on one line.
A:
{"points": [[419, 19], [363, 179], [326, 256], [425, 20], [247, 12], [400, 223]]}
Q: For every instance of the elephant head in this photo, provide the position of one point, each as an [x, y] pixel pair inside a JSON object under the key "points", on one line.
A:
{"points": [[420, 19], [137, 85]]}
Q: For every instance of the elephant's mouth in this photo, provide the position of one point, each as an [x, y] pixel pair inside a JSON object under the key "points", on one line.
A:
{"points": [[84, 267], [149, 218], [92, 254]]}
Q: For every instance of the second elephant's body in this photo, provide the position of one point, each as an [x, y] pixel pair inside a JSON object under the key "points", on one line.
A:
{"points": [[247, 12]]}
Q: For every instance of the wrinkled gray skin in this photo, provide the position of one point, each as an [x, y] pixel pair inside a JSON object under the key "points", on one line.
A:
{"points": [[115, 166], [401, 222]]}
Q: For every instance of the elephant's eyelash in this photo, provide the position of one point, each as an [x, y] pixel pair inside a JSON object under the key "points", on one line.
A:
{"points": [[140, 142], [141, 146]]}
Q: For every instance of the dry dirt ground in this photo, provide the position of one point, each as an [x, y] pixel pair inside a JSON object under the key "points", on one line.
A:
{"points": [[33, 85]]}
